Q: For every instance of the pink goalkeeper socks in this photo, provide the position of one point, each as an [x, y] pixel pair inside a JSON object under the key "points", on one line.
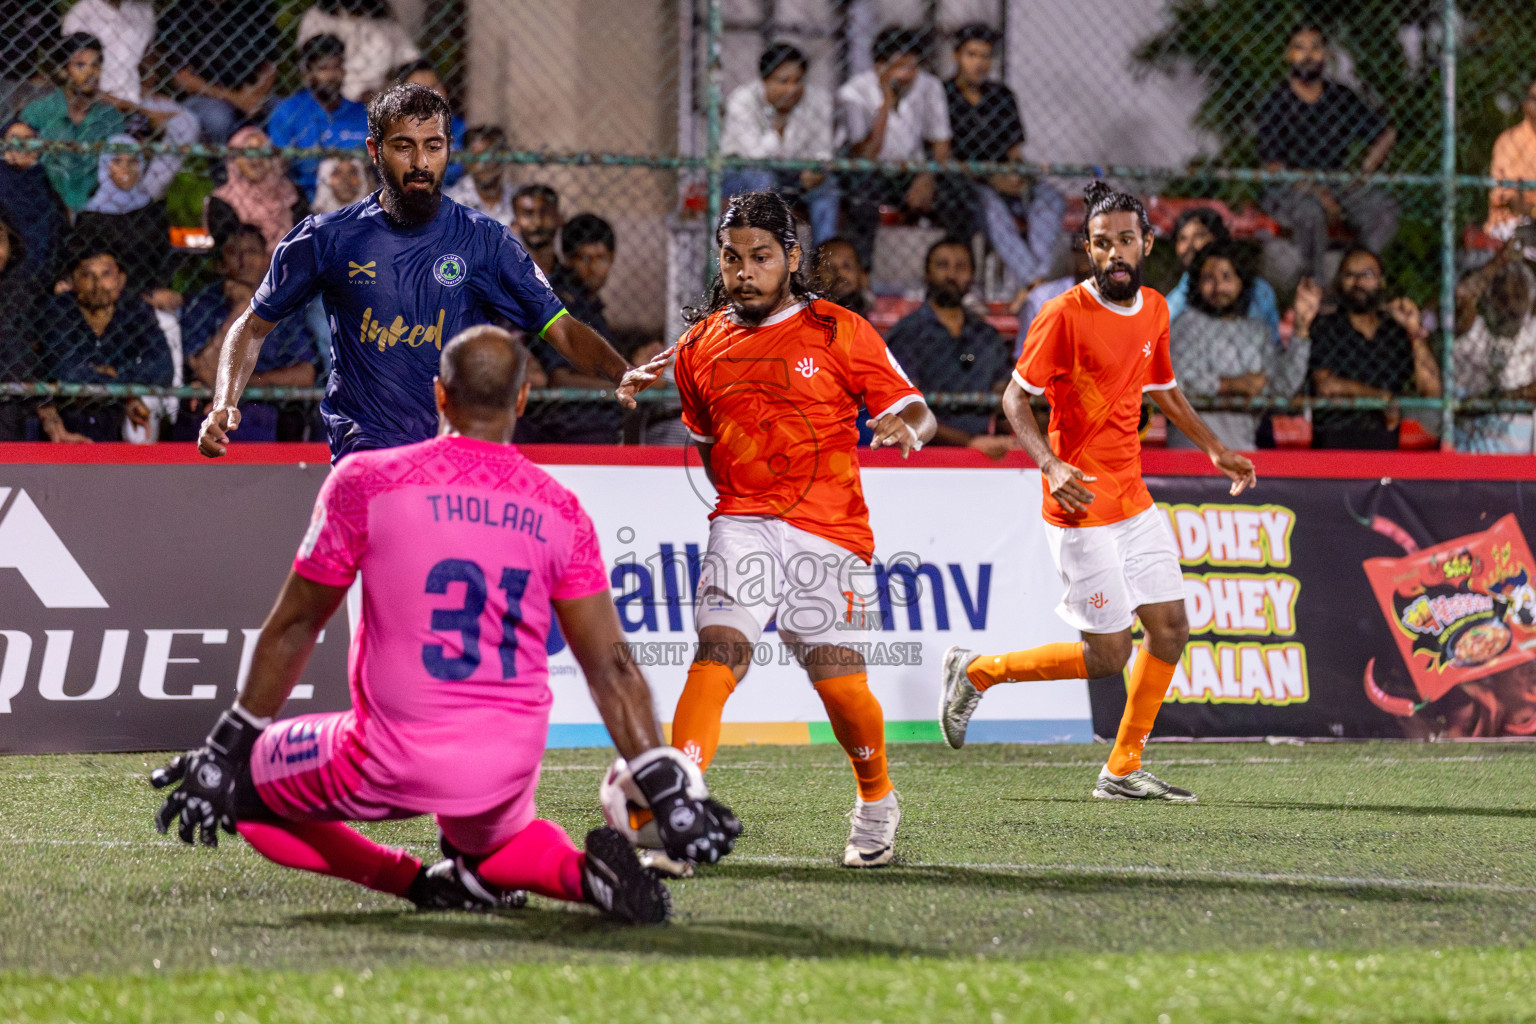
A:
{"points": [[331, 848], [541, 858]]}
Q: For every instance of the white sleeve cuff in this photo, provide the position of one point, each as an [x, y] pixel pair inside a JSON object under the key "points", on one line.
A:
{"points": [[701, 438], [1160, 387], [1018, 378], [898, 405]]}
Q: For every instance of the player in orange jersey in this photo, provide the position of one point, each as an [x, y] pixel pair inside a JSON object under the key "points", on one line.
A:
{"points": [[1093, 352], [771, 379]]}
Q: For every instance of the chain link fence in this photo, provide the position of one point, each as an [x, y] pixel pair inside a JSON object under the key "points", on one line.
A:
{"points": [[1344, 265]]}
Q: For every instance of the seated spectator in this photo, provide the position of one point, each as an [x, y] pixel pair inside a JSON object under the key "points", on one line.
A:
{"points": [[776, 117], [223, 57], [536, 216], [287, 357], [125, 28], [1220, 350], [375, 42], [1495, 352], [423, 72], [319, 115], [488, 186], [29, 204], [945, 347], [1310, 124], [125, 213], [75, 112], [255, 191], [1196, 228], [1367, 348], [586, 248], [1036, 298], [984, 117], [93, 334], [1514, 159], [169, 122], [29, 28], [891, 112], [842, 276], [19, 299], [339, 183]]}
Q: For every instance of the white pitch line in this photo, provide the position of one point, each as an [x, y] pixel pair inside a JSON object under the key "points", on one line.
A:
{"points": [[1079, 870], [1174, 874]]}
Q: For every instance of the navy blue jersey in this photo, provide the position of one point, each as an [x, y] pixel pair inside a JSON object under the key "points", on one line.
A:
{"points": [[393, 296]]}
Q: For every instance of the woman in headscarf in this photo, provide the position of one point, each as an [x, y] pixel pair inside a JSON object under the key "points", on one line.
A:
{"points": [[128, 216], [29, 204], [257, 191]]}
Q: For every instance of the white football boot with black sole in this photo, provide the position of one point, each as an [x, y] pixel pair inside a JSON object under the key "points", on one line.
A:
{"points": [[872, 843], [1139, 785]]}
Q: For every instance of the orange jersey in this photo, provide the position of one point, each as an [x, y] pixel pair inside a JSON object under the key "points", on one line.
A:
{"points": [[779, 402], [1093, 361]]}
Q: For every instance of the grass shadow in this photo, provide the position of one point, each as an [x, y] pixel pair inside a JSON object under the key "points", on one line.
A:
{"points": [[566, 929], [1413, 810]]}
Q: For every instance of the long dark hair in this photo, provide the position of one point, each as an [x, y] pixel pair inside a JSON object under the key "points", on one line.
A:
{"points": [[769, 212], [1099, 197], [1221, 249]]}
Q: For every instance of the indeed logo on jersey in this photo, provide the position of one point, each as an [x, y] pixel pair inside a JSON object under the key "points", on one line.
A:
{"points": [[373, 332]]}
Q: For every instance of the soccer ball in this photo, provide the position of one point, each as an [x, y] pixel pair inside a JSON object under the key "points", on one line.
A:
{"points": [[626, 809]]}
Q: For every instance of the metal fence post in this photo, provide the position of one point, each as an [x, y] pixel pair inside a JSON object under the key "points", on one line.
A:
{"points": [[714, 172], [1448, 226]]}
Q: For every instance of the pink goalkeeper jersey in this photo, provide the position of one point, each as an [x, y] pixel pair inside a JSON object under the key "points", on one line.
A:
{"points": [[461, 545]]}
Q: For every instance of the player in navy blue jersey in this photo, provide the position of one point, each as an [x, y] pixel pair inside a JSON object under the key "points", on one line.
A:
{"points": [[400, 273]]}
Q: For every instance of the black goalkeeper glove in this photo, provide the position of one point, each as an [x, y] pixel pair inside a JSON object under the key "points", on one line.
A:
{"points": [[691, 826], [206, 797]]}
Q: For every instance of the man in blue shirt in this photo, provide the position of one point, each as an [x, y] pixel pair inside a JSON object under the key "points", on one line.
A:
{"points": [[399, 274], [320, 115]]}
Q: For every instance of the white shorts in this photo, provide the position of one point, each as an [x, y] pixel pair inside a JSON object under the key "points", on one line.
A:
{"points": [[758, 567], [1112, 570]]}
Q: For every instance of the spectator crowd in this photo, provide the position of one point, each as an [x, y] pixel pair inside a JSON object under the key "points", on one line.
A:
{"points": [[93, 291]]}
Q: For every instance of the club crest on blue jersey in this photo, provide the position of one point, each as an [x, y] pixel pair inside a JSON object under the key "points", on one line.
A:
{"points": [[450, 270]]}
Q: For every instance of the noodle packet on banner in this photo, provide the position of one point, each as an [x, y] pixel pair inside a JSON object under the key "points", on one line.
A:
{"points": [[1460, 610]]}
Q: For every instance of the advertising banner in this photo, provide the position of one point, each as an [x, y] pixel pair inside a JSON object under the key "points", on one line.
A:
{"points": [[131, 597], [1349, 608]]}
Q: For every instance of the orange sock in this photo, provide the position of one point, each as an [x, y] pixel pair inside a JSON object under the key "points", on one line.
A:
{"points": [[696, 723], [1050, 661], [859, 725], [1143, 697]]}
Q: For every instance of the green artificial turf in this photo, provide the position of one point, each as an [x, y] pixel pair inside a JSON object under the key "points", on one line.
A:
{"points": [[1326, 882]]}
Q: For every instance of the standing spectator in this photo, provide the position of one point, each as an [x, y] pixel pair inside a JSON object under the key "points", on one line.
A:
{"points": [[95, 335], [842, 277], [29, 27], [1368, 348], [224, 58], [1220, 350], [287, 357], [319, 115], [125, 28], [255, 191], [19, 299], [1196, 228], [375, 42], [29, 204], [1310, 124], [777, 118], [587, 248], [945, 347], [1495, 352], [1514, 159], [423, 72], [984, 117], [488, 186], [75, 112], [891, 112], [536, 214], [340, 182], [132, 220]]}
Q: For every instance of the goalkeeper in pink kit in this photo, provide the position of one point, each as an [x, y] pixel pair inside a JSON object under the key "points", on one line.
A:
{"points": [[465, 547]]}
